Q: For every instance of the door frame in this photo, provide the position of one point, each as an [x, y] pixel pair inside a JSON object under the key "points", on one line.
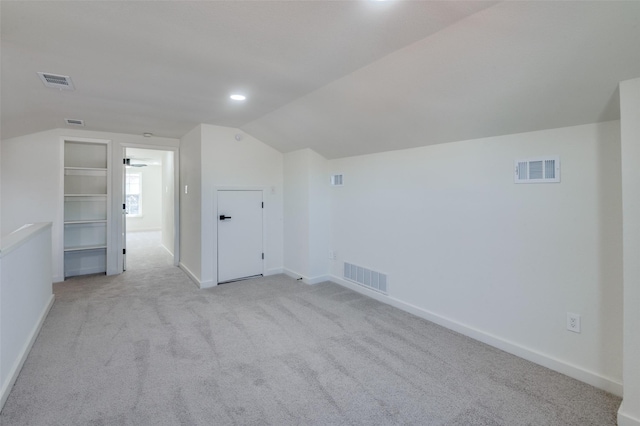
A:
{"points": [[119, 174], [263, 190]]}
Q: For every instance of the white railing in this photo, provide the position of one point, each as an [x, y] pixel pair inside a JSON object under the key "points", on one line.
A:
{"points": [[26, 295]]}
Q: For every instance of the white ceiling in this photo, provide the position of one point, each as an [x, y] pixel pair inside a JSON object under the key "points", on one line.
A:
{"points": [[340, 77]]}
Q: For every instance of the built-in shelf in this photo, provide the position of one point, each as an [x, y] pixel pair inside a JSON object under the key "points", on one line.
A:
{"points": [[86, 206]]}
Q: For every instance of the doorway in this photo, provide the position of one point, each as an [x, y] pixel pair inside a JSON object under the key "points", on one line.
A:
{"points": [[240, 234], [149, 209]]}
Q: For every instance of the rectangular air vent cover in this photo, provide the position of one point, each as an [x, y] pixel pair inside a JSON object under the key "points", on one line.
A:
{"points": [[56, 81], [366, 277], [74, 122], [537, 170], [337, 180]]}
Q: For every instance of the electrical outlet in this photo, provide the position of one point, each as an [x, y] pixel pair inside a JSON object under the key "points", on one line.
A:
{"points": [[186, 189], [573, 322], [332, 255]]}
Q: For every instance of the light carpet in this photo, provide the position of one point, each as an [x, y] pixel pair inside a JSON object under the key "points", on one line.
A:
{"points": [[149, 348]]}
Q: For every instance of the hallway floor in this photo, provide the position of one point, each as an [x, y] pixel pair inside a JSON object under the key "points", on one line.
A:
{"points": [[145, 251]]}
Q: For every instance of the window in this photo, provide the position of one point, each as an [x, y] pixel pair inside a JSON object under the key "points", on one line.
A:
{"points": [[133, 191]]}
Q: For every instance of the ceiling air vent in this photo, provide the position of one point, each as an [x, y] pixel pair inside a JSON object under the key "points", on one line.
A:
{"points": [[336, 180], [74, 122], [537, 170], [54, 81]]}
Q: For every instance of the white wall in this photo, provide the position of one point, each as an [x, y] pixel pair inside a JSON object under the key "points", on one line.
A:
{"points": [[296, 213], [191, 203], [248, 163], [152, 198], [25, 297], [31, 182], [306, 215], [629, 414], [465, 246], [168, 205]]}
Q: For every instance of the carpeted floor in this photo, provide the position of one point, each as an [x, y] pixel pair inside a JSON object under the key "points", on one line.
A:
{"points": [[145, 251], [149, 348]]}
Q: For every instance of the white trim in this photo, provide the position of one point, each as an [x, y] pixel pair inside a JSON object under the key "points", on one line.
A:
{"points": [[307, 280], [606, 383], [168, 251], [176, 197], [190, 274], [22, 235], [626, 419], [273, 271], [109, 197], [208, 284], [15, 370]]}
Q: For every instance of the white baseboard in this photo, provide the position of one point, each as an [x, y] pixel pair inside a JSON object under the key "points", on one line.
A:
{"points": [[86, 271], [208, 284], [305, 279], [625, 419], [17, 366], [57, 279], [190, 274], [165, 247], [273, 271], [144, 230], [578, 373]]}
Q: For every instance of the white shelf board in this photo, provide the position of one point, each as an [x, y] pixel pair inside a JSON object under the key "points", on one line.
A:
{"points": [[85, 248], [78, 222], [97, 169]]}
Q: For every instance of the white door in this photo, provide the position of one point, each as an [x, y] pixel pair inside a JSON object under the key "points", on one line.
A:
{"points": [[239, 234]]}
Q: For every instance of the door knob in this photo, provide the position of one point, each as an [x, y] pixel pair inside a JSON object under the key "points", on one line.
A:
{"points": [[223, 217]]}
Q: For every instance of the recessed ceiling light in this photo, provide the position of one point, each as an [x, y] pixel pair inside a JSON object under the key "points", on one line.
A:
{"points": [[237, 97], [147, 135]]}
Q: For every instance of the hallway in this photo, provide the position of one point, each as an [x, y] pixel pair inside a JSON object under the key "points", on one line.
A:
{"points": [[145, 251]]}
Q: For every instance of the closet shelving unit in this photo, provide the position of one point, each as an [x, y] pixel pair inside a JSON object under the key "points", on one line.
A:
{"points": [[87, 193]]}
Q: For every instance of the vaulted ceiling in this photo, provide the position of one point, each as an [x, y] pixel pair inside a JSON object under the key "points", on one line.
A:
{"points": [[340, 77]]}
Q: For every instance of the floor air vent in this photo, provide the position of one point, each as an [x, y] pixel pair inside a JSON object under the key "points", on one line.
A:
{"points": [[366, 277]]}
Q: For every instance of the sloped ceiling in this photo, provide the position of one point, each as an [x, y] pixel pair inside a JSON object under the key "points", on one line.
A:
{"points": [[340, 77]]}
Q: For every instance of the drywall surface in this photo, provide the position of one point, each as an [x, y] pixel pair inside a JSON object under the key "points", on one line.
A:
{"points": [[296, 213], [168, 204], [461, 241], [26, 297], [306, 215], [152, 198], [319, 216], [32, 187], [239, 164], [629, 413], [191, 202], [32, 184]]}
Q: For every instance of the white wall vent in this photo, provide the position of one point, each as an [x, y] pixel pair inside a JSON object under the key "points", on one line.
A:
{"points": [[56, 81], [366, 277], [337, 180], [537, 170], [74, 122]]}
